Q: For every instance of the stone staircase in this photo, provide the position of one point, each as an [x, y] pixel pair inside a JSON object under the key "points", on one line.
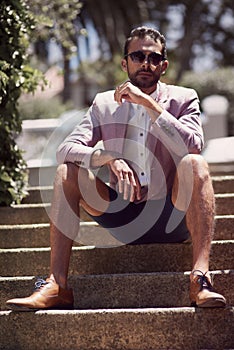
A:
{"points": [[126, 297]]}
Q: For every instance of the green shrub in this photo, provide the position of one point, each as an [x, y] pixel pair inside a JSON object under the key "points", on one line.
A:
{"points": [[16, 76], [215, 82], [38, 108]]}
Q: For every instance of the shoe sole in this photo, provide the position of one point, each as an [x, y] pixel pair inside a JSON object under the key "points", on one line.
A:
{"points": [[211, 303], [14, 307], [21, 308]]}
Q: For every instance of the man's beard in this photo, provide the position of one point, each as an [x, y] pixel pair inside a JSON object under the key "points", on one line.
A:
{"points": [[146, 82]]}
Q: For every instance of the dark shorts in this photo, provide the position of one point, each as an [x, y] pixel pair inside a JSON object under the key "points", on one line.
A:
{"points": [[152, 221]]}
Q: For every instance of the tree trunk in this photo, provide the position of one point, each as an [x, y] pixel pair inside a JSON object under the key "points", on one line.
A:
{"points": [[66, 94]]}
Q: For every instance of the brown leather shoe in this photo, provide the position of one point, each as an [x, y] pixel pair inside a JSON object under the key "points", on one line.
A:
{"points": [[47, 295], [202, 293]]}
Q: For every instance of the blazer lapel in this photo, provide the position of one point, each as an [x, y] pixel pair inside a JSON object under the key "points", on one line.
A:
{"points": [[122, 118], [162, 94], [117, 128]]}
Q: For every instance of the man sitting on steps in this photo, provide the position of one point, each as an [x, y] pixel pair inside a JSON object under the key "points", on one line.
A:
{"points": [[160, 190]]}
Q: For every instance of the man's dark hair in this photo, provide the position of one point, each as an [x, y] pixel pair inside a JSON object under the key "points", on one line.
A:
{"points": [[141, 33]]}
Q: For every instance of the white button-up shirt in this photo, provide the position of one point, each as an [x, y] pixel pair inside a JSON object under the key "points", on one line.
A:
{"points": [[135, 151]]}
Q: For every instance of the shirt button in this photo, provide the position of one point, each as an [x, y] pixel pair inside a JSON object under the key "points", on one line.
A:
{"points": [[141, 134], [142, 174]]}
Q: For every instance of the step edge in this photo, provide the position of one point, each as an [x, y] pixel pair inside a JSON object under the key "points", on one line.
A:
{"points": [[92, 247], [117, 311]]}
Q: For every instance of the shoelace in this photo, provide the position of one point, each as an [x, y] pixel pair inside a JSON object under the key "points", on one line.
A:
{"points": [[203, 279], [39, 283]]}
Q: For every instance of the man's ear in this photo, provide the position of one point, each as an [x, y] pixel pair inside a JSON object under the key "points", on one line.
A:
{"points": [[124, 65], [164, 66]]}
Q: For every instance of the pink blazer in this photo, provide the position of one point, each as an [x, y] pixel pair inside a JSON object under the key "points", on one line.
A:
{"points": [[176, 132]]}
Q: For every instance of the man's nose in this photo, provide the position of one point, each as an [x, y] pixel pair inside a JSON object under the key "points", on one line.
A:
{"points": [[146, 61]]}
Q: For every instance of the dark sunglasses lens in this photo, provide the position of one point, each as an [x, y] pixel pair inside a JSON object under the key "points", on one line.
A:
{"points": [[137, 56], [154, 58]]}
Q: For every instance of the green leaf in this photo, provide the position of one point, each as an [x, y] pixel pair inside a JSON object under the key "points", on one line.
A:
{"points": [[5, 177]]}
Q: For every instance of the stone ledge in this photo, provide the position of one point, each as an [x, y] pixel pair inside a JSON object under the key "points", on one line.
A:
{"points": [[37, 235], [124, 259], [119, 329], [137, 290]]}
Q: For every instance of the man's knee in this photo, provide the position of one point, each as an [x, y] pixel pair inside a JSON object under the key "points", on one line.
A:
{"points": [[61, 170], [192, 174], [66, 173], [195, 166]]}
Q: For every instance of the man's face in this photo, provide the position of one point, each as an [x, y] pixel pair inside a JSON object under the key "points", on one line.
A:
{"points": [[144, 75]]}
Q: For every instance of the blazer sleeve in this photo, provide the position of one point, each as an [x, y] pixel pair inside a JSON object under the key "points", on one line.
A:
{"points": [[179, 127], [78, 147]]}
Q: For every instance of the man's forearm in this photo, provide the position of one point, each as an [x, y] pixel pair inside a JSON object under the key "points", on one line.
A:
{"points": [[101, 157]]}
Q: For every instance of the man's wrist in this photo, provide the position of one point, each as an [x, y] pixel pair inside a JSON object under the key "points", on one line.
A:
{"points": [[102, 157], [153, 108]]}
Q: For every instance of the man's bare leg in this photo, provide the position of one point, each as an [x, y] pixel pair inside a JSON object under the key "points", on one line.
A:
{"points": [[196, 197], [193, 193], [73, 187]]}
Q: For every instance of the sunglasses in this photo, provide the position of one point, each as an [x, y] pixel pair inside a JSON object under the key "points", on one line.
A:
{"points": [[139, 57]]}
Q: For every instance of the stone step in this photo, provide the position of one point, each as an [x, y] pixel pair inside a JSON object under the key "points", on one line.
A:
{"points": [[134, 290], [37, 235], [38, 194], [24, 214], [119, 329], [38, 213], [125, 300], [223, 184], [224, 227], [30, 214], [224, 203], [123, 259]]}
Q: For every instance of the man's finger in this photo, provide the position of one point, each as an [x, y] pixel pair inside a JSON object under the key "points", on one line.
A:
{"points": [[132, 194], [126, 193], [121, 185], [138, 190]]}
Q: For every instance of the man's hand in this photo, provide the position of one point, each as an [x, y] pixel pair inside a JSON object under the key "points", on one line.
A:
{"points": [[128, 182], [130, 93]]}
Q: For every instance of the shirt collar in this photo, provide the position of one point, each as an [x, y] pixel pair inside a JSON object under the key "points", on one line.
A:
{"points": [[155, 93]]}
